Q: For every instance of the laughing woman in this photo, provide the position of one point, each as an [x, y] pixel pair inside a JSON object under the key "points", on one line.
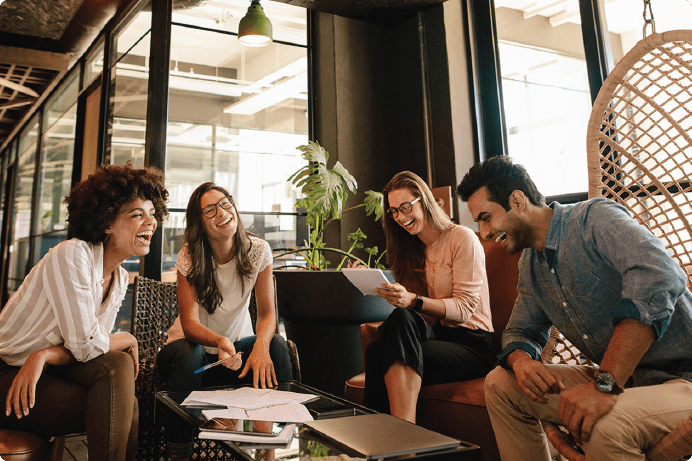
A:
{"points": [[61, 369], [440, 331], [218, 267]]}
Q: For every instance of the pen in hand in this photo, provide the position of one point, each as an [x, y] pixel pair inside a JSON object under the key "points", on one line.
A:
{"points": [[206, 367]]}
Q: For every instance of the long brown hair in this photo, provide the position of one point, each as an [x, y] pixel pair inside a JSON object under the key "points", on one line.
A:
{"points": [[406, 252], [203, 264]]}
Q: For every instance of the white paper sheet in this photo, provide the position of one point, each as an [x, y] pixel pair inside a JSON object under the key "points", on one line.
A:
{"points": [[245, 398], [366, 280]]}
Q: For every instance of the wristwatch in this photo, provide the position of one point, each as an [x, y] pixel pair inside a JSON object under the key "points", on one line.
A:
{"points": [[605, 382], [418, 305]]}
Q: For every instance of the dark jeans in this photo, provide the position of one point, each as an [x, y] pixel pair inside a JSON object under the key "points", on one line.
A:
{"points": [[439, 354], [97, 396], [177, 362]]}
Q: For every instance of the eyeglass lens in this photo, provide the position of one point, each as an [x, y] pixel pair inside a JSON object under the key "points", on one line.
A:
{"points": [[210, 211], [404, 208]]}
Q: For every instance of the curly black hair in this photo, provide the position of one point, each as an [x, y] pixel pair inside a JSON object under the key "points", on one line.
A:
{"points": [[93, 204]]}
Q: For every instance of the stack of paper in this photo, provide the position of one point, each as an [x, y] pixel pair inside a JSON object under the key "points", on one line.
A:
{"points": [[248, 403]]}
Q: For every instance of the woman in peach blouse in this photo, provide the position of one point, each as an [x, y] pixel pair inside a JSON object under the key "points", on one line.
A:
{"points": [[440, 331]]}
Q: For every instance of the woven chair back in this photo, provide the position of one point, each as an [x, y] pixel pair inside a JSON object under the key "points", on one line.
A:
{"points": [[639, 139]]}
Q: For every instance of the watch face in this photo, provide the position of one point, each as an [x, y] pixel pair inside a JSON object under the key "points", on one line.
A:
{"points": [[605, 382]]}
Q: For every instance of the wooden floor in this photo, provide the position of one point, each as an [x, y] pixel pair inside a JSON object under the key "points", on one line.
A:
{"points": [[75, 448]]}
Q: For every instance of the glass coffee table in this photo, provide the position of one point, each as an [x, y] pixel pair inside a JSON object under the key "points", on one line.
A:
{"points": [[306, 444]]}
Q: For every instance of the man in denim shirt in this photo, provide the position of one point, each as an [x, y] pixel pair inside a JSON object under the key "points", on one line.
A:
{"points": [[609, 286]]}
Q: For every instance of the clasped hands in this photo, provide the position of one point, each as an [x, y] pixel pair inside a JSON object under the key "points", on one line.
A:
{"points": [[580, 406]]}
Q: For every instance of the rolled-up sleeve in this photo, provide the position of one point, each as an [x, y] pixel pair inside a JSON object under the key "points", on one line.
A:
{"points": [[651, 280], [68, 283]]}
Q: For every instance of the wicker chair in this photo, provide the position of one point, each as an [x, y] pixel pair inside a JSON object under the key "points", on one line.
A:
{"points": [[154, 309], [639, 148]]}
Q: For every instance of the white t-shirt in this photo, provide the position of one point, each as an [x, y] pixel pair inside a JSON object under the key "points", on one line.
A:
{"points": [[232, 317]]}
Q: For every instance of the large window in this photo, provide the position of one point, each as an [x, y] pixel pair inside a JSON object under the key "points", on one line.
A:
{"points": [[20, 220], [236, 116], [546, 96], [625, 20], [55, 167], [129, 90]]}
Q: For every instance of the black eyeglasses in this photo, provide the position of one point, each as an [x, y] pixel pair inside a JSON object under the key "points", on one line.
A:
{"points": [[210, 211], [405, 208]]}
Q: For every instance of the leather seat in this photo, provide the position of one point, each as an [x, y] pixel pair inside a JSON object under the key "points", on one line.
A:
{"points": [[27, 446]]}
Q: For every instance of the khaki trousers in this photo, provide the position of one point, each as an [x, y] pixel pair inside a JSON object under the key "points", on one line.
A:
{"points": [[639, 419]]}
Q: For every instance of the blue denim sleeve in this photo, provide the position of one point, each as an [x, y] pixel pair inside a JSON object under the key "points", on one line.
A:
{"points": [[511, 347], [625, 309], [652, 281]]}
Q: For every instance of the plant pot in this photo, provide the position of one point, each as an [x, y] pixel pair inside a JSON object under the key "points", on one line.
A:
{"points": [[322, 312]]}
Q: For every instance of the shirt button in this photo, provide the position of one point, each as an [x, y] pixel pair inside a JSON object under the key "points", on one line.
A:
{"points": [[585, 336], [564, 304], [552, 271]]}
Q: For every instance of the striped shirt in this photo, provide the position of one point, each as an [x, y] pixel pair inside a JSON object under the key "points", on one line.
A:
{"points": [[59, 302]]}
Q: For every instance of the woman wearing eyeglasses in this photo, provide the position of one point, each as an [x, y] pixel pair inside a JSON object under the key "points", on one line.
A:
{"points": [[440, 331], [218, 267]]}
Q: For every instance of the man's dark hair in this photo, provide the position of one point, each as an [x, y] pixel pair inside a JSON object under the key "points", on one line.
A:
{"points": [[501, 176]]}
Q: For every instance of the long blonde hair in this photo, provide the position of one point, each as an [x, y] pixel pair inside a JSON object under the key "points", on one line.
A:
{"points": [[406, 252]]}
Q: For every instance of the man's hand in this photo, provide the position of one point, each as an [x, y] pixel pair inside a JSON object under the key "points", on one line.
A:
{"points": [[580, 408], [535, 379], [22, 394], [260, 362]]}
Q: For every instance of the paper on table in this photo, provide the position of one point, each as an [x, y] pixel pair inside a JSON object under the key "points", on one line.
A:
{"points": [[283, 437], [281, 413], [245, 398], [366, 280]]}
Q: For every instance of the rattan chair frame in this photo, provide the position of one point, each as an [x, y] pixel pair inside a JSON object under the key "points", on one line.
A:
{"points": [[639, 139]]}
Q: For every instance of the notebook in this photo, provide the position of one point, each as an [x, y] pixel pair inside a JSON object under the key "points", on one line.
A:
{"points": [[381, 436]]}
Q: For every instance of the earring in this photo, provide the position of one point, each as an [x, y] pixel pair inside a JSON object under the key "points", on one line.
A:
{"points": [[104, 240]]}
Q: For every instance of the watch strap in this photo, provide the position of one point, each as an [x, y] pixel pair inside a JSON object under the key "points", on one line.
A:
{"points": [[418, 305]]}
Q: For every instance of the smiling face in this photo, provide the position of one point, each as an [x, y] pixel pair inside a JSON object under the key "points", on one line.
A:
{"points": [[131, 231], [498, 224], [414, 222], [225, 224]]}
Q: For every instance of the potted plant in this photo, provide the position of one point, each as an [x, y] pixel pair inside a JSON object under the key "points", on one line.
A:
{"points": [[322, 311]]}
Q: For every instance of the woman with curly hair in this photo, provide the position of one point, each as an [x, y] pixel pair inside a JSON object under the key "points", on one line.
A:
{"points": [[440, 331], [218, 267], [61, 368]]}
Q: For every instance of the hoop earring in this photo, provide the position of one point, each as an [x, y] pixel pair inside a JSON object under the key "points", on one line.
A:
{"points": [[104, 240]]}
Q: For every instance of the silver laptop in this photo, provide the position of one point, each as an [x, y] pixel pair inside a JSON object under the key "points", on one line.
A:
{"points": [[381, 436]]}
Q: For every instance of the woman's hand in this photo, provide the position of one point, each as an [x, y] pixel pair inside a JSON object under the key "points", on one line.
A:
{"points": [[125, 342], [260, 362], [396, 295], [228, 353], [22, 394]]}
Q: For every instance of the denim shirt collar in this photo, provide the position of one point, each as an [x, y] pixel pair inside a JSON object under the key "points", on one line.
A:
{"points": [[552, 240]]}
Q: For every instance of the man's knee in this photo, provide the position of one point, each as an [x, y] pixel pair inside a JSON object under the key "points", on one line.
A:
{"points": [[497, 382]]}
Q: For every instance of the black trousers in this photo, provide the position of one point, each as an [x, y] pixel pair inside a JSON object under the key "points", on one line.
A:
{"points": [[439, 354]]}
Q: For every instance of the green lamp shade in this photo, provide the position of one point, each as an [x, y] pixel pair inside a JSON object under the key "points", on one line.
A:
{"points": [[255, 29]]}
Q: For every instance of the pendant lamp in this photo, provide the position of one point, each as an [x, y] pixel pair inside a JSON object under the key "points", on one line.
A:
{"points": [[255, 29]]}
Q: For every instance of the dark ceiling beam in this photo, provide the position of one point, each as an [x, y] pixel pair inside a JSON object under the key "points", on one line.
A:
{"points": [[34, 58], [386, 12]]}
